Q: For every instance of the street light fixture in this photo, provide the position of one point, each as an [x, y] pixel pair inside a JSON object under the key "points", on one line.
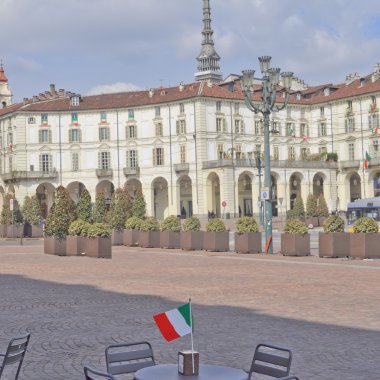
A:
{"points": [[270, 82]]}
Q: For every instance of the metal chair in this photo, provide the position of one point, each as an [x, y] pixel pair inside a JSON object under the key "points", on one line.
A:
{"points": [[15, 353], [271, 361], [129, 358], [289, 378], [92, 374]]}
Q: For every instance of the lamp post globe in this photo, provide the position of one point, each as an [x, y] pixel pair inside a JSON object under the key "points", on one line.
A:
{"points": [[269, 86]]}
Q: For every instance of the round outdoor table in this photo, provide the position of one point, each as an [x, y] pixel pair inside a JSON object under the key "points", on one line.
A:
{"points": [[206, 372]]}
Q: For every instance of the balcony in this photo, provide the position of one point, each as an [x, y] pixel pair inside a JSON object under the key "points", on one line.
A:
{"points": [[18, 175], [131, 171], [349, 164], [279, 164], [375, 161], [104, 173], [181, 167]]}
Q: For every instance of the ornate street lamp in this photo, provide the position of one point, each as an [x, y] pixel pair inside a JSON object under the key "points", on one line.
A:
{"points": [[270, 82]]}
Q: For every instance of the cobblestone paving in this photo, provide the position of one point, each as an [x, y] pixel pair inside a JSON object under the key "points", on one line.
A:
{"points": [[326, 311]]}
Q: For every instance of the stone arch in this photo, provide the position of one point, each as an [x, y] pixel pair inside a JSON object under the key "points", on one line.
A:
{"points": [[45, 193], [353, 180], [318, 184], [375, 179], [245, 204], [295, 181], [75, 190], [213, 193], [160, 198], [133, 185], [185, 196], [108, 188]]}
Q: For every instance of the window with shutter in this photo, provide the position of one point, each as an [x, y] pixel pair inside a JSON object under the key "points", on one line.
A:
{"points": [[182, 150], [177, 127]]}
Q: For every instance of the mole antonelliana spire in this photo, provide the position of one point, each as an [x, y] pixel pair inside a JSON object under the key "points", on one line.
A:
{"points": [[208, 59]]}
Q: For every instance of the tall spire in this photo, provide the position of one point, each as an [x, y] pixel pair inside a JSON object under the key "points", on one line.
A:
{"points": [[3, 78], [5, 91], [208, 59]]}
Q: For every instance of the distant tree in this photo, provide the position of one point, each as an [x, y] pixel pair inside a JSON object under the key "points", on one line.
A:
{"points": [[311, 205], [31, 210], [120, 209], [99, 211], [8, 216], [139, 205], [84, 209], [323, 211], [299, 208]]}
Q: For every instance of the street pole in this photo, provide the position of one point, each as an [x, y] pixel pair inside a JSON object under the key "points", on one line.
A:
{"points": [[270, 84], [259, 201]]}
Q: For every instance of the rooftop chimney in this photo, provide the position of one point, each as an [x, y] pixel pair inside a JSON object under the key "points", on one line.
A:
{"points": [[52, 88]]}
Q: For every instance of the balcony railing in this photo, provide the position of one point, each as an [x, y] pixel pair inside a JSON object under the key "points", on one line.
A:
{"points": [[375, 161], [280, 164], [349, 164], [104, 172], [181, 167], [18, 175], [131, 171]]}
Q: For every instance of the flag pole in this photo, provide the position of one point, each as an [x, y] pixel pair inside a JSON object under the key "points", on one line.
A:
{"points": [[191, 333]]}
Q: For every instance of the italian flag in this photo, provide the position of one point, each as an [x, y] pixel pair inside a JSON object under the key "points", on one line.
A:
{"points": [[175, 323], [292, 133], [375, 130], [367, 160]]}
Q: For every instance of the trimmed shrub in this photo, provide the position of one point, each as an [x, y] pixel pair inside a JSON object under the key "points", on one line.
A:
{"points": [[215, 225], [365, 225], [333, 223], [120, 209], [150, 224], [79, 228], [312, 205], [8, 216], [247, 224], [295, 226], [133, 223], [59, 216], [139, 205], [323, 211], [299, 208], [98, 230], [191, 224], [31, 210], [84, 209], [171, 223], [99, 211]]}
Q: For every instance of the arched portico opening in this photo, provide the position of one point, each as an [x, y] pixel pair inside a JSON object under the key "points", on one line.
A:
{"points": [[245, 194], [294, 188], [108, 188], [318, 182], [213, 194], [160, 198], [133, 185], [75, 190], [376, 184], [184, 186], [355, 187], [45, 193]]}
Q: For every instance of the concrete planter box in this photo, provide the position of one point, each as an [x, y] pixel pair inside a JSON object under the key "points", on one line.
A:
{"points": [[149, 239], [53, 246], [365, 246], [191, 240], [15, 231], [117, 237], [313, 220], [295, 244], [248, 242], [170, 239], [334, 244], [33, 231], [99, 247], [216, 241], [131, 238], [321, 220], [3, 230], [75, 245]]}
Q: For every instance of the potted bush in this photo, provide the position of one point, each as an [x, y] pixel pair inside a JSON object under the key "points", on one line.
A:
{"points": [[84, 209], [76, 238], [191, 238], [119, 213], [216, 238], [31, 211], [170, 232], [99, 210], [295, 241], [139, 205], [57, 223], [312, 210], [132, 231], [334, 242], [247, 236], [299, 208], [98, 242], [365, 240], [322, 210], [149, 234], [12, 220]]}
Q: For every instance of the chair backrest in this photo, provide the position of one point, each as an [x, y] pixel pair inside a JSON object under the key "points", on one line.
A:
{"points": [[271, 361], [129, 358], [92, 374], [289, 378], [15, 353]]}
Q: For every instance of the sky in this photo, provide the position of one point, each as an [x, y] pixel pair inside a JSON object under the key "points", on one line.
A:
{"points": [[98, 46]]}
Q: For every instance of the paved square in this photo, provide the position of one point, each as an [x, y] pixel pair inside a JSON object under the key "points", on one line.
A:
{"points": [[326, 311]]}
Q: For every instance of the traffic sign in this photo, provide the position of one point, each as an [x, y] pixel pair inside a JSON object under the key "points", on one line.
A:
{"points": [[224, 204], [265, 193], [11, 204]]}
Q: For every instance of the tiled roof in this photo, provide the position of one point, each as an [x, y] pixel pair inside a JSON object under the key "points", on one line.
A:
{"points": [[50, 102]]}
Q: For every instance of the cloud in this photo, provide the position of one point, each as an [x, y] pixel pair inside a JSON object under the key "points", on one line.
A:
{"points": [[112, 88]]}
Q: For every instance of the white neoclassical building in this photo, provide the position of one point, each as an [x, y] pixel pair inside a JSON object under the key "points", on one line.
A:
{"points": [[189, 147]]}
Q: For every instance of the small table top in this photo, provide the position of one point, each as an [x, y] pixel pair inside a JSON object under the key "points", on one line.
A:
{"points": [[206, 372]]}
